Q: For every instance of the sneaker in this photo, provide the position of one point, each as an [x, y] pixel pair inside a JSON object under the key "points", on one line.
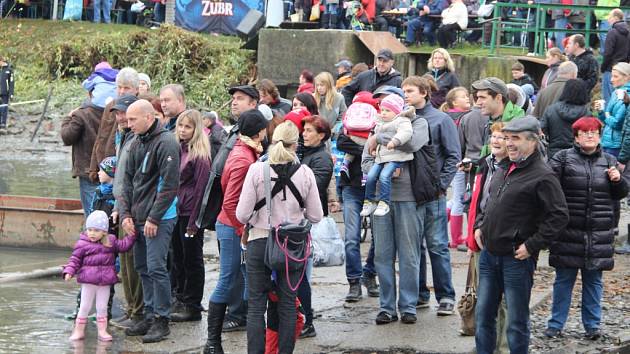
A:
{"points": [[422, 304], [382, 209], [408, 318], [531, 54], [308, 331], [345, 170], [368, 208], [384, 318], [552, 333], [371, 286], [446, 308], [593, 334], [233, 326], [363, 180]]}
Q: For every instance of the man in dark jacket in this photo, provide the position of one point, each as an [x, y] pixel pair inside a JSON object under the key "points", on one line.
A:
{"points": [[588, 67], [617, 49], [550, 94], [148, 208], [382, 74], [525, 210], [173, 103], [6, 92], [270, 96], [79, 130]]}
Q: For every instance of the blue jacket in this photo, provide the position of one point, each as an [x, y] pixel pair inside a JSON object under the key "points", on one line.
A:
{"points": [[613, 118], [435, 6]]}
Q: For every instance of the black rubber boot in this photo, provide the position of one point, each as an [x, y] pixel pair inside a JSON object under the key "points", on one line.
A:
{"points": [[158, 331], [216, 313], [354, 294]]}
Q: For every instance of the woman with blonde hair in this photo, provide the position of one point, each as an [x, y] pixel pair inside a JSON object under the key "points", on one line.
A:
{"points": [[286, 170], [330, 103], [442, 70], [555, 57], [188, 271]]}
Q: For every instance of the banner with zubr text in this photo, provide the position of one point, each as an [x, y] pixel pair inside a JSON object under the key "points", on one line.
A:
{"points": [[213, 16]]}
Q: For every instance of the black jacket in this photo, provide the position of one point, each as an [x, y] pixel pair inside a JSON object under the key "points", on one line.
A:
{"points": [[617, 46], [587, 242], [588, 68], [345, 144], [526, 205], [217, 137], [445, 81], [524, 80], [370, 80], [151, 176], [556, 124], [7, 83], [320, 161]]}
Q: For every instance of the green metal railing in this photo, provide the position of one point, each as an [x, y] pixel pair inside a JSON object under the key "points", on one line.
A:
{"points": [[539, 24]]}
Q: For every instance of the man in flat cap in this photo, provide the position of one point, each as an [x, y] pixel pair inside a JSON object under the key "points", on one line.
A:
{"points": [[244, 98], [344, 73], [524, 212], [382, 74]]}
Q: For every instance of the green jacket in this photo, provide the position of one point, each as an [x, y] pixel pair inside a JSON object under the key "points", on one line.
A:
{"points": [[511, 111], [601, 15]]}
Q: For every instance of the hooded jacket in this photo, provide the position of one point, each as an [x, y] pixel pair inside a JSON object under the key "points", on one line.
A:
{"points": [[400, 130], [587, 242], [613, 118], [79, 131], [617, 46], [319, 160], [93, 263], [370, 80], [588, 68], [104, 145], [151, 177], [556, 124]]}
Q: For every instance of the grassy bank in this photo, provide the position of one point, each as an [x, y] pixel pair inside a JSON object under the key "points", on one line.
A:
{"points": [[62, 54]]}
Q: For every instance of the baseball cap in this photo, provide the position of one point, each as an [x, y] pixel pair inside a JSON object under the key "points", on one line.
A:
{"points": [[122, 103], [385, 53]]}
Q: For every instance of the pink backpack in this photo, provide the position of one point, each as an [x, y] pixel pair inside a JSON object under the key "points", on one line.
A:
{"points": [[360, 117]]}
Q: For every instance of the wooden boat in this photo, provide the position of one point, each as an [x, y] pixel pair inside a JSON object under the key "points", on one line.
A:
{"points": [[40, 222]]}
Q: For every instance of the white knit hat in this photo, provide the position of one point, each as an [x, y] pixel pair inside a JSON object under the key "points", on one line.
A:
{"points": [[144, 77], [97, 220]]}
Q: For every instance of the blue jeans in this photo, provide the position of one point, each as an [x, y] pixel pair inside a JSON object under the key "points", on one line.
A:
{"points": [[503, 276], [87, 189], [428, 27], [605, 26], [382, 173], [230, 271], [560, 23], [106, 6], [396, 236], [4, 111], [158, 12], [592, 289], [435, 225], [352, 204], [607, 87], [150, 262]]}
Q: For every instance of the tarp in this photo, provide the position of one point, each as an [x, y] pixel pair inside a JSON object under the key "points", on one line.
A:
{"points": [[213, 16]]}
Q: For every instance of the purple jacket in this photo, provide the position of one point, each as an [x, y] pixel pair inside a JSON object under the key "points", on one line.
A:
{"points": [[193, 177], [93, 263]]}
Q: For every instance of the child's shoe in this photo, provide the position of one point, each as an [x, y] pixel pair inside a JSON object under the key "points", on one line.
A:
{"points": [[368, 208], [382, 209], [101, 325], [79, 329], [345, 169], [363, 180]]}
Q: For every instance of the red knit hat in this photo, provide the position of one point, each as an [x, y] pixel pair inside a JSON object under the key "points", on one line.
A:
{"points": [[296, 116], [366, 97], [586, 124]]}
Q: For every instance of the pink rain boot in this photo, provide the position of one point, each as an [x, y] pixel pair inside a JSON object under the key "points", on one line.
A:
{"points": [[101, 325], [456, 230], [79, 329]]}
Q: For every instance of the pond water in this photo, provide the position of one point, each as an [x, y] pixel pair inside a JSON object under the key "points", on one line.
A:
{"points": [[42, 174]]}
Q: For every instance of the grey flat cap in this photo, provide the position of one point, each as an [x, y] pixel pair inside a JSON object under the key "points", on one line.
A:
{"points": [[525, 124], [493, 84]]}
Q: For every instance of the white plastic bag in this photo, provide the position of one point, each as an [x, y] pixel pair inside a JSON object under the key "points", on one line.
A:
{"points": [[328, 247]]}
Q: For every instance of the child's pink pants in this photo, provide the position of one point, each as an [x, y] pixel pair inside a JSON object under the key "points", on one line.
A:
{"points": [[88, 293]]}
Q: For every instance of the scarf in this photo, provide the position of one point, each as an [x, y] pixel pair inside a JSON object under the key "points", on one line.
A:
{"points": [[252, 144]]}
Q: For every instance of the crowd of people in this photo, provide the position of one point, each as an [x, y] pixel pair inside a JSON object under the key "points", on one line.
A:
{"points": [[531, 166]]}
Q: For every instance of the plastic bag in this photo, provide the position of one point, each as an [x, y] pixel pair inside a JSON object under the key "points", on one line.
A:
{"points": [[73, 10], [328, 247]]}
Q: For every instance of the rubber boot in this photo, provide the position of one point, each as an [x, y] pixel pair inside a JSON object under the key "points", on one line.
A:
{"points": [[456, 230], [79, 328], [216, 314], [625, 249], [101, 325]]}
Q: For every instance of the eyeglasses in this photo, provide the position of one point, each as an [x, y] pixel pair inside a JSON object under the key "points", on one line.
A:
{"points": [[496, 137], [589, 134]]}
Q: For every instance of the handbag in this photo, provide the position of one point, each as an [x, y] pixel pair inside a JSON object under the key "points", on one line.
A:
{"points": [[314, 13], [288, 246], [468, 301]]}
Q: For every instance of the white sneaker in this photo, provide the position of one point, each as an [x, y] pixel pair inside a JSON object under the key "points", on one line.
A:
{"points": [[382, 209], [368, 208], [531, 54]]}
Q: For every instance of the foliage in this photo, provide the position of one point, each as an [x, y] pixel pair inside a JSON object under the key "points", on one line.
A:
{"points": [[64, 53]]}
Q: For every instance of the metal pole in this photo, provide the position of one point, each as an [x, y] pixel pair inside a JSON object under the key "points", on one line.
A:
{"points": [[20, 103]]}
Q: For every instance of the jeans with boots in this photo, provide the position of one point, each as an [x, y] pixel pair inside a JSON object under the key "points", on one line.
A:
{"points": [[354, 294], [216, 313], [158, 331]]}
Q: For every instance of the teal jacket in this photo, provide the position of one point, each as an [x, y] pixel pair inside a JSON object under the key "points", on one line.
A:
{"points": [[613, 118]]}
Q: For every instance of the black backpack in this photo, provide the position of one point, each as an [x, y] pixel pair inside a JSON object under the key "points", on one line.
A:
{"points": [[424, 174]]}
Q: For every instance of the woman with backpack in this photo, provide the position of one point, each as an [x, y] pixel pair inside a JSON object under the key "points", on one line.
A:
{"points": [[252, 131], [591, 184], [297, 199]]}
